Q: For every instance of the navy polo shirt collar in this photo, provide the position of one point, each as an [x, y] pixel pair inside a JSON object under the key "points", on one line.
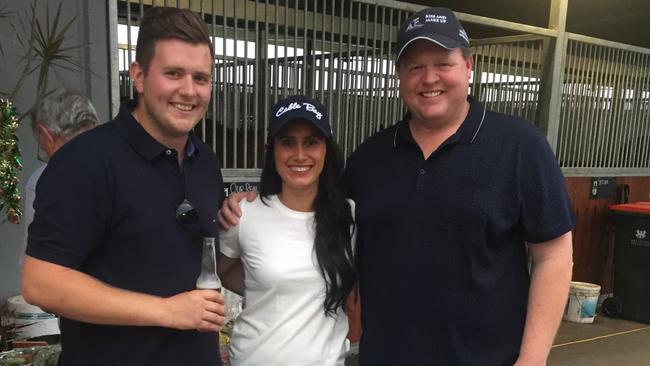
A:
{"points": [[140, 140], [466, 133]]}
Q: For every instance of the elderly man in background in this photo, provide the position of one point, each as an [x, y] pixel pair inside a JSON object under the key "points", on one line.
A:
{"points": [[57, 117]]}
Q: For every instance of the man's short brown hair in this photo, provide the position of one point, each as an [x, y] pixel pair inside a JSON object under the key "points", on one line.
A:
{"points": [[169, 23]]}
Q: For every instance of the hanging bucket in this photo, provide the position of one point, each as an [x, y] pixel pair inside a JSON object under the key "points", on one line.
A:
{"points": [[583, 298]]}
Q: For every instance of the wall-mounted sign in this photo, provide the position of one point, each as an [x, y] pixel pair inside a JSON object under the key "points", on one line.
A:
{"points": [[230, 187], [240, 180], [602, 187]]}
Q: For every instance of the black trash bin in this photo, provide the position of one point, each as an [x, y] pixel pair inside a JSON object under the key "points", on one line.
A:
{"points": [[632, 259]]}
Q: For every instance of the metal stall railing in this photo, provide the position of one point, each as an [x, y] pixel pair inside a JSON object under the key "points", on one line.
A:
{"points": [[340, 53], [605, 120], [335, 51], [507, 73]]}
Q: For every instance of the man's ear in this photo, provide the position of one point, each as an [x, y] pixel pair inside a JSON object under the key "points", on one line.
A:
{"points": [[469, 64], [46, 139], [137, 75]]}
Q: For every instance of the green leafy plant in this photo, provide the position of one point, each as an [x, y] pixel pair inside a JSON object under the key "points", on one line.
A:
{"points": [[44, 49]]}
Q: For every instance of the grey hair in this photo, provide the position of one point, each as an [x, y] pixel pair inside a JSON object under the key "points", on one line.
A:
{"points": [[64, 112]]}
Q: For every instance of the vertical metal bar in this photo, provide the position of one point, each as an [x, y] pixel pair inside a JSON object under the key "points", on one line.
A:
{"points": [[566, 122], [491, 79], [313, 70], [245, 88], [285, 68], [590, 76], [128, 51], [592, 103], [619, 129], [382, 109], [276, 70], [391, 71], [645, 115], [266, 69], [566, 105], [224, 93], [295, 67], [512, 72], [571, 132], [636, 106], [476, 70], [625, 122], [235, 89], [256, 105], [365, 79], [610, 135], [606, 105], [533, 79], [520, 97], [349, 120], [597, 108], [609, 101], [540, 71], [356, 80], [215, 81], [485, 75], [370, 64], [331, 73], [628, 112], [372, 93], [304, 53], [500, 95], [511, 77], [529, 80], [340, 119], [203, 119], [321, 79]]}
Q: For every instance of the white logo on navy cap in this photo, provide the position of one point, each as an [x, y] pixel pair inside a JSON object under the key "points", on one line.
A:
{"points": [[435, 18], [283, 110], [463, 35], [415, 23], [312, 109], [293, 105]]}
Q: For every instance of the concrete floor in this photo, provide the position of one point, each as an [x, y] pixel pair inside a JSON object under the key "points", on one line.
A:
{"points": [[605, 342]]}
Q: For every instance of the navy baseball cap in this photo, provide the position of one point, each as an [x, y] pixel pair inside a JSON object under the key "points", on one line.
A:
{"points": [[438, 25], [299, 107]]}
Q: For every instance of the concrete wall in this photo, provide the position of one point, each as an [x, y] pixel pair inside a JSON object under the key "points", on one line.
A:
{"points": [[91, 28]]}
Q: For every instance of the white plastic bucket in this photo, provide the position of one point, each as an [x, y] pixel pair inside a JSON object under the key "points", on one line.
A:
{"points": [[583, 298], [32, 320]]}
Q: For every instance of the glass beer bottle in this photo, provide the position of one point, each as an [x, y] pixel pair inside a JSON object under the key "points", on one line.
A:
{"points": [[208, 279]]}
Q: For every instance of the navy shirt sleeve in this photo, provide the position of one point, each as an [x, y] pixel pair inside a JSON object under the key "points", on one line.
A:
{"points": [[71, 208], [546, 211]]}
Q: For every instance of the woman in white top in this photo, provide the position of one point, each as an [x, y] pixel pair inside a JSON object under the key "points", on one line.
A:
{"points": [[295, 244]]}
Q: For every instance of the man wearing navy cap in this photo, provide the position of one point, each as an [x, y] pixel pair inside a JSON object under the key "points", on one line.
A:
{"points": [[447, 199]]}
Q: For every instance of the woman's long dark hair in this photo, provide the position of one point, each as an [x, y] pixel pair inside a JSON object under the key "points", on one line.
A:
{"points": [[333, 221]]}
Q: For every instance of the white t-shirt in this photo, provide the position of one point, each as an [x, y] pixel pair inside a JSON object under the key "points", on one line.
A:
{"points": [[283, 322], [30, 195]]}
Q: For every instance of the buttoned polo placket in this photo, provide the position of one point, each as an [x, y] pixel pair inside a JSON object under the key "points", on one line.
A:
{"points": [[465, 134]]}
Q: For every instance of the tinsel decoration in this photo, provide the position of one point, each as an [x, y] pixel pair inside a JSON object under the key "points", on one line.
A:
{"points": [[10, 163]]}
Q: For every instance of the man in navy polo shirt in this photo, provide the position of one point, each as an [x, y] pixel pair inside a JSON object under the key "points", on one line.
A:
{"points": [[115, 245], [447, 199]]}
